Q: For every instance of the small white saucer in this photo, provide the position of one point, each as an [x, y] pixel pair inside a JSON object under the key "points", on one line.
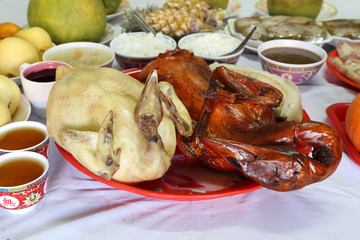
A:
{"points": [[23, 111]]}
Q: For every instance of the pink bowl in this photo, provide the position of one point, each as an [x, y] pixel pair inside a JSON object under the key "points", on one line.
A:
{"points": [[298, 73]]}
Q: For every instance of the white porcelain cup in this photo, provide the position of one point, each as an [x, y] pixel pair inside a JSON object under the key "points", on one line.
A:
{"points": [[25, 196], [38, 92]]}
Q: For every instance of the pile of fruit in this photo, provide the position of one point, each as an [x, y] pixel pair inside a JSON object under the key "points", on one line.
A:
{"points": [[18, 46]]}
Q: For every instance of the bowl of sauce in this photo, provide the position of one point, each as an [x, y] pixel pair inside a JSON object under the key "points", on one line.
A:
{"points": [[296, 60], [81, 54]]}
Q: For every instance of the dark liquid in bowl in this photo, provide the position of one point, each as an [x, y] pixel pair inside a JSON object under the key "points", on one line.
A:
{"points": [[46, 75], [291, 55]]}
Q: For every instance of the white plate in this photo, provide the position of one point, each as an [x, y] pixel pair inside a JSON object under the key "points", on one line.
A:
{"points": [[253, 44], [108, 34], [327, 10], [23, 111], [120, 11], [17, 80], [117, 13]]}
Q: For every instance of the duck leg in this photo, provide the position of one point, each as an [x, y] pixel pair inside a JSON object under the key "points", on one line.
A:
{"points": [[274, 162]]}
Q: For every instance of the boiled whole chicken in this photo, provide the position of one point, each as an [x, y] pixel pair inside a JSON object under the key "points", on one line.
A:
{"points": [[115, 126]]}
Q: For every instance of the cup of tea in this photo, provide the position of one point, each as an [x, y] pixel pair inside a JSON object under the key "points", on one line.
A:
{"points": [[24, 136], [37, 79], [23, 181]]}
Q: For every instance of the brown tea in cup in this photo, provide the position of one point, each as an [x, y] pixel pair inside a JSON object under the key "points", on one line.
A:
{"points": [[23, 180], [24, 136], [21, 138], [19, 171]]}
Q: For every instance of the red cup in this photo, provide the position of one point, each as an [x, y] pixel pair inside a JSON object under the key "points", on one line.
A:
{"points": [[23, 196]]}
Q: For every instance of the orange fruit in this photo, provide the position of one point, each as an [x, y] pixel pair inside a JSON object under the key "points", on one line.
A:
{"points": [[352, 122], [8, 29]]}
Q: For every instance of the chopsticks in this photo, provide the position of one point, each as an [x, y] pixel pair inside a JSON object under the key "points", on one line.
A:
{"points": [[143, 25]]}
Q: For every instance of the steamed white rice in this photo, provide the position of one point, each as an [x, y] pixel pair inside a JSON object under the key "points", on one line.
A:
{"points": [[142, 45], [209, 45]]}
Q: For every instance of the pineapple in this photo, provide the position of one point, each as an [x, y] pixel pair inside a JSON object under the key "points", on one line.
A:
{"points": [[178, 18], [173, 22], [197, 8]]}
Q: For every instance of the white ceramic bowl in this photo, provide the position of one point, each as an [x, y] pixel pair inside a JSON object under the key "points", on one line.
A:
{"points": [[210, 46], [136, 43], [50, 54], [298, 73], [24, 197]]}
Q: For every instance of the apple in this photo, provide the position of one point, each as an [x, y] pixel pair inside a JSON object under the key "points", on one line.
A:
{"points": [[307, 8]]}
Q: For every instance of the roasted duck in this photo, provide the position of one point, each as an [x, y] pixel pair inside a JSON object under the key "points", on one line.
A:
{"points": [[114, 125], [237, 129], [180, 64]]}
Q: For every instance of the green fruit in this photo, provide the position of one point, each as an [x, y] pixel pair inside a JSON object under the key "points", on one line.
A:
{"points": [[307, 8], [215, 4], [111, 5], [68, 20]]}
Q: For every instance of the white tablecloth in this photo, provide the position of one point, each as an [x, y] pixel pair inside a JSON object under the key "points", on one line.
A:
{"points": [[78, 207]]}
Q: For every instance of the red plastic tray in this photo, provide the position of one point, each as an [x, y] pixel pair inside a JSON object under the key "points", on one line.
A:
{"points": [[186, 180], [332, 54], [336, 114]]}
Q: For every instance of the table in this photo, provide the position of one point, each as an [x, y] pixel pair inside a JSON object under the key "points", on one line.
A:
{"points": [[78, 207]]}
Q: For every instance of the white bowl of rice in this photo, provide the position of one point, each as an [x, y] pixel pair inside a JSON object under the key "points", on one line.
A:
{"points": [[136, 49], [211, 46]]}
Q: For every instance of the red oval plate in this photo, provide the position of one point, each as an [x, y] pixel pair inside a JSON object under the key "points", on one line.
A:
{"points": [[336, 114], [338, 74], [186, 180]]}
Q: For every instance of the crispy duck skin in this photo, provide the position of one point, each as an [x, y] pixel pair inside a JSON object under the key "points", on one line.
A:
{"points": [[187, 74], [236, 128]]}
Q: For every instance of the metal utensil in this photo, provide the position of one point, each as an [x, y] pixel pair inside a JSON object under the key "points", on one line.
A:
{"points": [[143, 25], [242, 44]]}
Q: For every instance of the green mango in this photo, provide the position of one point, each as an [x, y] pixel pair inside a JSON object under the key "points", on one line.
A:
{"points": [[307, 8]]}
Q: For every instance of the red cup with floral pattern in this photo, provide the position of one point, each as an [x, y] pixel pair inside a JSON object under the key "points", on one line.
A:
{"points": [[23, 180], [24, 136]]}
